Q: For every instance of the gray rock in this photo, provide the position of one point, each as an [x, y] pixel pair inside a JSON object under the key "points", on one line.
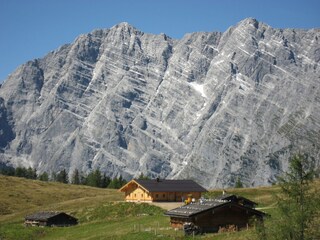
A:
{"points": [[213, 107]]}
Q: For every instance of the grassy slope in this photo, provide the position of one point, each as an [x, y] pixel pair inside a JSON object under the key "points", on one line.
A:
{"points": [[101, 213], [18, 194]]}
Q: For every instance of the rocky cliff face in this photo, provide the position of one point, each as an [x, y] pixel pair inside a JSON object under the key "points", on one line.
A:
{"points": [[212, 106]]}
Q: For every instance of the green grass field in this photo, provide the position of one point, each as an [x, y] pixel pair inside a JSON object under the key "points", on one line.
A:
{"points": [[102, 213]]}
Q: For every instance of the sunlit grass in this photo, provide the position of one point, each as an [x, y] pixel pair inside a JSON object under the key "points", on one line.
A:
{"points": [[102, 213]]}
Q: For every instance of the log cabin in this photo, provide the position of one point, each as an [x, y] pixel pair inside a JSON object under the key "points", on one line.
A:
{"points": [[161, 190], [50, 219], [213, 214]]}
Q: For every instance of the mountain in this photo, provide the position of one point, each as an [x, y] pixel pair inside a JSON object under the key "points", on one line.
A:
{"points": [[214, 107]]}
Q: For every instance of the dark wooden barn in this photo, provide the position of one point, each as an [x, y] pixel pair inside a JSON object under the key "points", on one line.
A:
{"points": [[50, 219], [211, 215]]}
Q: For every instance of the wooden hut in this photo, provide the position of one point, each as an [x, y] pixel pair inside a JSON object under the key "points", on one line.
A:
{"points": [[160, 190], [50, 219], [211, 215]]}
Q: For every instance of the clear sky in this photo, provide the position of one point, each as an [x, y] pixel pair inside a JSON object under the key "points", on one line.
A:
{"points": [[31, 28]]}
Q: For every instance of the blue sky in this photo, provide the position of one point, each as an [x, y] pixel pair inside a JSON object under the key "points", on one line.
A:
{"points": [[31, 28]]}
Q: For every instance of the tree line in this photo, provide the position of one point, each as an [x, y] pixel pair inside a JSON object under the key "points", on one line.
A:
{"points": [[94, 179]]}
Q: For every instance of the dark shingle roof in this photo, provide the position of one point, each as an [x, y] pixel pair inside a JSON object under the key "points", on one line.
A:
{"points": [[195, 208], [205, 205], [42, 216], [163, 185]]}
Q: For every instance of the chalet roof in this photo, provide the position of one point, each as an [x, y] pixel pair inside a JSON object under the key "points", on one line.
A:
{"points": [[195, 208], [43, 216], [164, 185], [206, 205]]}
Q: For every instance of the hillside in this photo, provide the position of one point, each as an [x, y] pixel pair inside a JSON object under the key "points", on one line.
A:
{"points": [[101, 213], [211, 106], [19, 195]]}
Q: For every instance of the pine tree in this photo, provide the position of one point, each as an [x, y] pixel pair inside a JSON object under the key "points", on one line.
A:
{"points": [[114, 184], [238, 184], [143, 177], [8, 171], [31, 173], [117, 183], [44, 177], [298, 205], [94, 178], [98, 177], [122, 181], [75, 179], [62, 176], [53, 176], [21, 172], [83, 178], [105, 181]]}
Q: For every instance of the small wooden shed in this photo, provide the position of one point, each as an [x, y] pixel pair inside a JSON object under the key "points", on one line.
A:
{"points": [[211, 215], [50, 219], [161, 190]]}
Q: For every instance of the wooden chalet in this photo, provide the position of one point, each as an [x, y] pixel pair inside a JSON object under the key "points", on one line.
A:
{"points": [[50, 219], [213, 214], [138, 190]]}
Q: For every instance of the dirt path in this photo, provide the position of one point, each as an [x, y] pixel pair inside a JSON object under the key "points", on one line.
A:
{"points": [[167, 205]]}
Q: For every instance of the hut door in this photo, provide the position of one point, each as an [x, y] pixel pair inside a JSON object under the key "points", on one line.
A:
{"points": [[172, 197], [178, 197]]}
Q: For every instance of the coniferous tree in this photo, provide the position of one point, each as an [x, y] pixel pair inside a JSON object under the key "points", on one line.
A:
{"points": [[94, 179], [298, 205], [31, 173], [21, 172], [62, 176], [142, 177], [97, 178], [53, 176], [7, 171], [114, 183], [117, 183], [105, 181], [122, 182], [238, 184], [83, 178], [44, 177], [75, 179]]}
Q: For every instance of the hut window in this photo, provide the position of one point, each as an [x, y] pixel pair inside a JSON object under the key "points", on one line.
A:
{"points": [[157, 195], [141, 194], [135, 195], [163, 195]]}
